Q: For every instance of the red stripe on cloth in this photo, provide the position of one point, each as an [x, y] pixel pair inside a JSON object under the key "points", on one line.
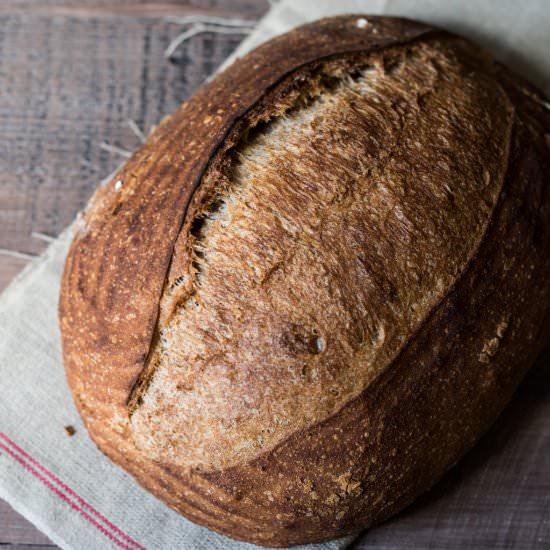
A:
{"points": [[62, 496], [69, 491]]}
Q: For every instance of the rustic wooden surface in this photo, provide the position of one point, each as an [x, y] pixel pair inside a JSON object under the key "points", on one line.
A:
{"points": [[72, 73]]}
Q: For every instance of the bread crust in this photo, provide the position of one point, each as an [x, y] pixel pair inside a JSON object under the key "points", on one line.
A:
{"points": [[380, 449]]}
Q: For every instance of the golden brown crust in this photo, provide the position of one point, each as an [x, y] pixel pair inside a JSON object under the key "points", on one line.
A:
{"points": [[328, 239], [367, 455]]}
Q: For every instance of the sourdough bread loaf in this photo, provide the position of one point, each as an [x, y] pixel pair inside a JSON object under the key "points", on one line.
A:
{"points": [[318, 282]]}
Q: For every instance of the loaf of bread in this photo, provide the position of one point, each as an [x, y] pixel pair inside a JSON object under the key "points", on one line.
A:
{"points": [[319, 281]]}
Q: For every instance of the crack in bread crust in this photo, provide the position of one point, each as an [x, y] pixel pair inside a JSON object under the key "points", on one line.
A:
{"points": [[245, 358], [425, 408]]}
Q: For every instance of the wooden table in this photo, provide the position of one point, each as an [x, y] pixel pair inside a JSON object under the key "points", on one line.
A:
{"points": [[72, 76]]}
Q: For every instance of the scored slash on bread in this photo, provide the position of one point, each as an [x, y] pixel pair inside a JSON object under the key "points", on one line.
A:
{"points": [[318, 282]]}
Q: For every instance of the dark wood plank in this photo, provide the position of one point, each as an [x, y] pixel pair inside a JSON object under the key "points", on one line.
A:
{"points": [[248, 9], [69, 83], [16, 530], [71, 75]]}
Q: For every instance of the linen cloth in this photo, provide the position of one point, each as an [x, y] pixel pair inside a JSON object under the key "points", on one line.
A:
{"points": [[65, 485]]}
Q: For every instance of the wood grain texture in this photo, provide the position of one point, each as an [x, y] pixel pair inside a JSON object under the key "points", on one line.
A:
{"points": [[69, 83], [248, 9], [15, 530], [497, 497]]}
